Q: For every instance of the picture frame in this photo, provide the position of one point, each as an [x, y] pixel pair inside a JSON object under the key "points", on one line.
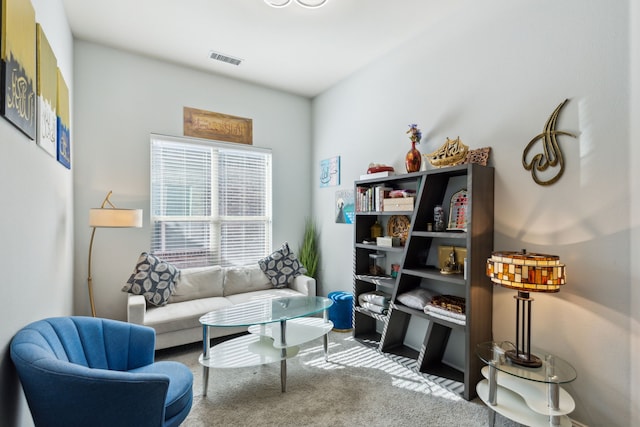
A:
{"points": [[345, 207], [47, 94], [330, 172], [18, 64], [458, 208], [63, 153], [444, 255], [217, 126]]}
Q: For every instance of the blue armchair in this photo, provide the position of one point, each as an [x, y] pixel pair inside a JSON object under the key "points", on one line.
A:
{"points": [[85, 371]]}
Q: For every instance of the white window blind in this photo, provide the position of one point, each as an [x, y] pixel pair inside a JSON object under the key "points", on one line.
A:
{"points": [[210, 202]]}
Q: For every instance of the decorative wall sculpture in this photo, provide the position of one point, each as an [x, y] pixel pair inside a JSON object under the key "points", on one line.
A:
{"points": [[551, 154], [217, 126]]}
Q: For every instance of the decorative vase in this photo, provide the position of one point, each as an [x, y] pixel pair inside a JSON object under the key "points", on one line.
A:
{"points": [[413, 159], [438, 218]]}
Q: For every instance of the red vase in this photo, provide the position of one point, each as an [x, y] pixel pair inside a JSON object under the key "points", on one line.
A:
{"points": [[413, 159]]}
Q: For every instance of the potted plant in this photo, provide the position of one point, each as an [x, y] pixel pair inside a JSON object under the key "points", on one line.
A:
{"points": [[309, 254]]}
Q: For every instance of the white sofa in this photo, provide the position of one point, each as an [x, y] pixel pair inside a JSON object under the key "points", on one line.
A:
{"points": [[200, 290]]}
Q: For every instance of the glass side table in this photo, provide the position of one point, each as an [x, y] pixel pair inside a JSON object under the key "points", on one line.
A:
{"points": [[530, 396]]}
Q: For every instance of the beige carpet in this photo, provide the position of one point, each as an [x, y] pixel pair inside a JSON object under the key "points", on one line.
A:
{"points": [[357, 387]]}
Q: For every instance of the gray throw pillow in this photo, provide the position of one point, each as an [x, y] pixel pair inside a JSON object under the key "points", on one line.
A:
{"points": [[153, 278], [282, 266]]}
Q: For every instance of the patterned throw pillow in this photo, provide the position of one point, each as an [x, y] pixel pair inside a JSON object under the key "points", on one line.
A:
{"points": [[282, 266], [153, 278]]}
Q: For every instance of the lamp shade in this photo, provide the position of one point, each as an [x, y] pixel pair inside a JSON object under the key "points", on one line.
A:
{"points": [[527, 272], [115, 217]]}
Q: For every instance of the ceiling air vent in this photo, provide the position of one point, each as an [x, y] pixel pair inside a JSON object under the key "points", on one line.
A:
{"points": [[224, 58]]}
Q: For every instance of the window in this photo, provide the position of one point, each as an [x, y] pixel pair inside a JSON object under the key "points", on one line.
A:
{"points": [[210, 202]]}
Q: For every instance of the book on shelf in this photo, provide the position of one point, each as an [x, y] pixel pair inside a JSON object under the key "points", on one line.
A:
{"points": [[370, 199], [375, 175]]}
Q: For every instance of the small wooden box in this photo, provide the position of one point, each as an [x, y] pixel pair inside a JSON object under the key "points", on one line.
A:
{"points": [[398, 204], [389, 241]]}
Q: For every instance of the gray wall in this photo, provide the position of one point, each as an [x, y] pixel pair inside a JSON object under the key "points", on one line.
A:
{"points": [[36, 226], [120, 99], [492, 73]]}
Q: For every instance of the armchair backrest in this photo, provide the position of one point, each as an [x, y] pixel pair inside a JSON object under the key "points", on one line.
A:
{"points": [[86, 341]]}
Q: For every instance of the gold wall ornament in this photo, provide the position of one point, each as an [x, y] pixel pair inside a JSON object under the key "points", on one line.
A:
{"points": [[551, 155], [452, 152]]}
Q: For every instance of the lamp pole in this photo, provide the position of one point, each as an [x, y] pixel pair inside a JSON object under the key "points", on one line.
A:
{"points": [[108, 216]]}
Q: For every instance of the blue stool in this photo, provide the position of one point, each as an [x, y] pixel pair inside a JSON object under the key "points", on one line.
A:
{"points": [[340, 313]]}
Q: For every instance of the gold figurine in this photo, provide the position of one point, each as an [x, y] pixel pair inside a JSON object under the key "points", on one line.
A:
{"points": [[451, 153]]}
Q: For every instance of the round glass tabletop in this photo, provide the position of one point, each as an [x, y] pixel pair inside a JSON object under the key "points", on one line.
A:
{"points": [[553, 370], [265, 311]]}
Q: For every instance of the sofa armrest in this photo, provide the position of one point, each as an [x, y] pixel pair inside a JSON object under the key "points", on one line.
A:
{"points": [[305, 285], [136, 309]]}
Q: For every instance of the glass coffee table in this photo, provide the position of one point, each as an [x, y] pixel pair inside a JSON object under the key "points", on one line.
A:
{"points": [[276, 329], [528, 395]]}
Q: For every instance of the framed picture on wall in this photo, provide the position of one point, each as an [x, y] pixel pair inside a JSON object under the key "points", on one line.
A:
{"points": [[64, 138], [345, 207], [47, 90], [330, 172], [18, 63]]}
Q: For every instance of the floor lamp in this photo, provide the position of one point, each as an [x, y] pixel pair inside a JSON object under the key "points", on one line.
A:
{"points": [[525, 273], [109, 217]]}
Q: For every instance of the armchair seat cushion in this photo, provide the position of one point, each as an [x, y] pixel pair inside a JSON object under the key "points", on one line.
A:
{"points": [[179, 394]]}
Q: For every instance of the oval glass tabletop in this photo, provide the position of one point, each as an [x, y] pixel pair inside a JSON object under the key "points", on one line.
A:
{"points": [[553, 370], [265, 311]]}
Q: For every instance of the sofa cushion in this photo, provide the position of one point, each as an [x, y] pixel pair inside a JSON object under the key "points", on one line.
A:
{"points": [[261, 295], [281, 266], [182, 315], [245, 279], [153, 278], [201, 282]]}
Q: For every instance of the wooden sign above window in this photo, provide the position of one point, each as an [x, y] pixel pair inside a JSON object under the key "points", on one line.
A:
{"points": [[218, 126]]}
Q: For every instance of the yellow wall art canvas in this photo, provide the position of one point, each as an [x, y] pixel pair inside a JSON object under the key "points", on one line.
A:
{"points": [[18, 57]]}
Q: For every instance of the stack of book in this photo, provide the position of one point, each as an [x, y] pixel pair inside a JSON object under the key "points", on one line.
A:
{"points": [[370, 199]]}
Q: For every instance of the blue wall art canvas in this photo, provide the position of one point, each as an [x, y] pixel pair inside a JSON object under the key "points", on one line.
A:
{"points": [[62, 107]]}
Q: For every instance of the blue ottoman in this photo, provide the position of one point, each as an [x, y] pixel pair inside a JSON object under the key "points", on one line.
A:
{"points": [[340, 313]]}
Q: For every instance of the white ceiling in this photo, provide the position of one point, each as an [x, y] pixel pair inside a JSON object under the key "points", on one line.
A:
{"points": [[303, 51]]}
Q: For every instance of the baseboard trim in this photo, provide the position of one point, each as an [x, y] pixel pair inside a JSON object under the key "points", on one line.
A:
{"points": [[575, 423]]}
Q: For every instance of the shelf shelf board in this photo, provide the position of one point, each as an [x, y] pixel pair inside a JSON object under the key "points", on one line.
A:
{"points": [[371, 339], [440, 234], [420, 313], [385, 281], [381, 317], [398, 249], [389, 213], [404, 351], [400, 178], [443, 370], [434, 273], [444, 322]]}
